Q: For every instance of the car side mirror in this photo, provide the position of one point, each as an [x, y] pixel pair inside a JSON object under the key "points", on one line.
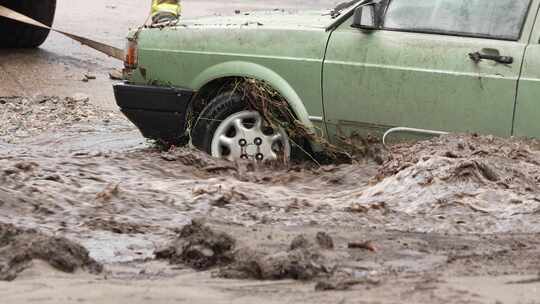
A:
{"points": [[365, 17]]}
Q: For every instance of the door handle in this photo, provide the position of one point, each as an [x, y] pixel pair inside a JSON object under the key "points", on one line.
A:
{"points": [[477, 56]]}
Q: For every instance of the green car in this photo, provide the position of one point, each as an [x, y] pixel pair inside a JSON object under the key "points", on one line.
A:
{"points": [[365, 67]]}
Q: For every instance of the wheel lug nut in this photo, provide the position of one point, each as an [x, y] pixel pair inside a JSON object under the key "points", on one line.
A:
{"points": [[259, 156], [258, 141], [242, 142]]}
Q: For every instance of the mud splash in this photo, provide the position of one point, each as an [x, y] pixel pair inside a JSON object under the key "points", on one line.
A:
{"points": [[485, 183]]}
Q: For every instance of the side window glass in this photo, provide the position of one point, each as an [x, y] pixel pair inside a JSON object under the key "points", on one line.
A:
{"points": [[500, 19]]}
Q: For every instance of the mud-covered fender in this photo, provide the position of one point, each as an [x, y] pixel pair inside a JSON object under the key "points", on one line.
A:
{"points": [[259, 72]]}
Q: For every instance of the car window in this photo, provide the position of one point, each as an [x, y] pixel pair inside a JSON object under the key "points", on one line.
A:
{"points": [[502, 19]]}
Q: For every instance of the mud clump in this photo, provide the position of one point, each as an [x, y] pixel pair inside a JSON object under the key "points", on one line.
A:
{"points": [[199, 247], [304, 260], [19, 247], [324, 240]]}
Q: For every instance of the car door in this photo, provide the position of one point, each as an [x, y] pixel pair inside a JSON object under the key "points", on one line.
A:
{"points": [[526, 122], [416, 70]]}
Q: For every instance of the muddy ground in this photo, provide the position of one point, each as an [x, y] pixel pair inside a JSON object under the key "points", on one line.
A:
{"points": [[450, 220]]}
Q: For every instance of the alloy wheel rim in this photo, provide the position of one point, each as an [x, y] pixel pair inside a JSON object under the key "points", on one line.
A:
{"points": [[243, 135]]}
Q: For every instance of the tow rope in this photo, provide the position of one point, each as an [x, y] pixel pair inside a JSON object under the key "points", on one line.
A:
{"points": [[98, 46]]}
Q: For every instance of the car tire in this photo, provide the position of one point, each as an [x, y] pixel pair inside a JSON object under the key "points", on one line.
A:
{"points": [[15, 34], [218, 118]]}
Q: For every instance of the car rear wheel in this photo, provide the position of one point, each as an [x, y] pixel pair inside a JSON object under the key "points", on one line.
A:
{"points": [[228, 129], [15, 34]]}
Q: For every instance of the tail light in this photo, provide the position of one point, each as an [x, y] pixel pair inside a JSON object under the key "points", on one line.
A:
{"points": [[131, 59]]}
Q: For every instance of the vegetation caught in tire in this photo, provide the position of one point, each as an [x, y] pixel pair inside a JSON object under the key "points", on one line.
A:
{"points": [[14, 34], [228, 128]]}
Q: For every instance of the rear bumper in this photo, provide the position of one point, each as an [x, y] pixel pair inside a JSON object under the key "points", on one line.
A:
{"points": [[158, 112]]}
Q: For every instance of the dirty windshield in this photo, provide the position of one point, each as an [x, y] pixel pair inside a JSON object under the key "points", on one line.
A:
{"points": [[488, 18]]}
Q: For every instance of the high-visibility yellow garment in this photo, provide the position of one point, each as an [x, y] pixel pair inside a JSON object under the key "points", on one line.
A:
{"points": [[166, 6]]}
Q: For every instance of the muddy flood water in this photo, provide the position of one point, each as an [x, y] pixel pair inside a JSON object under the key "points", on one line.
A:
{"points": [[91, 212]]}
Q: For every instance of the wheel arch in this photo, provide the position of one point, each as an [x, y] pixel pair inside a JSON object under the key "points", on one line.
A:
{"points": [[216, 76]]}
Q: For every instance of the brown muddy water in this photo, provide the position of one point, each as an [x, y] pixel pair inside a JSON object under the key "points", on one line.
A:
{"points": [[454, 219]]}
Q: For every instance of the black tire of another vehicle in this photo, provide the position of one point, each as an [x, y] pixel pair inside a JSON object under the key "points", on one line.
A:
{"points": [[218, 109], [15, 34]]}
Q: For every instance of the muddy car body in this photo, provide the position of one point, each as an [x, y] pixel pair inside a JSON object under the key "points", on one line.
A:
{"points": [[453, 66]]}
